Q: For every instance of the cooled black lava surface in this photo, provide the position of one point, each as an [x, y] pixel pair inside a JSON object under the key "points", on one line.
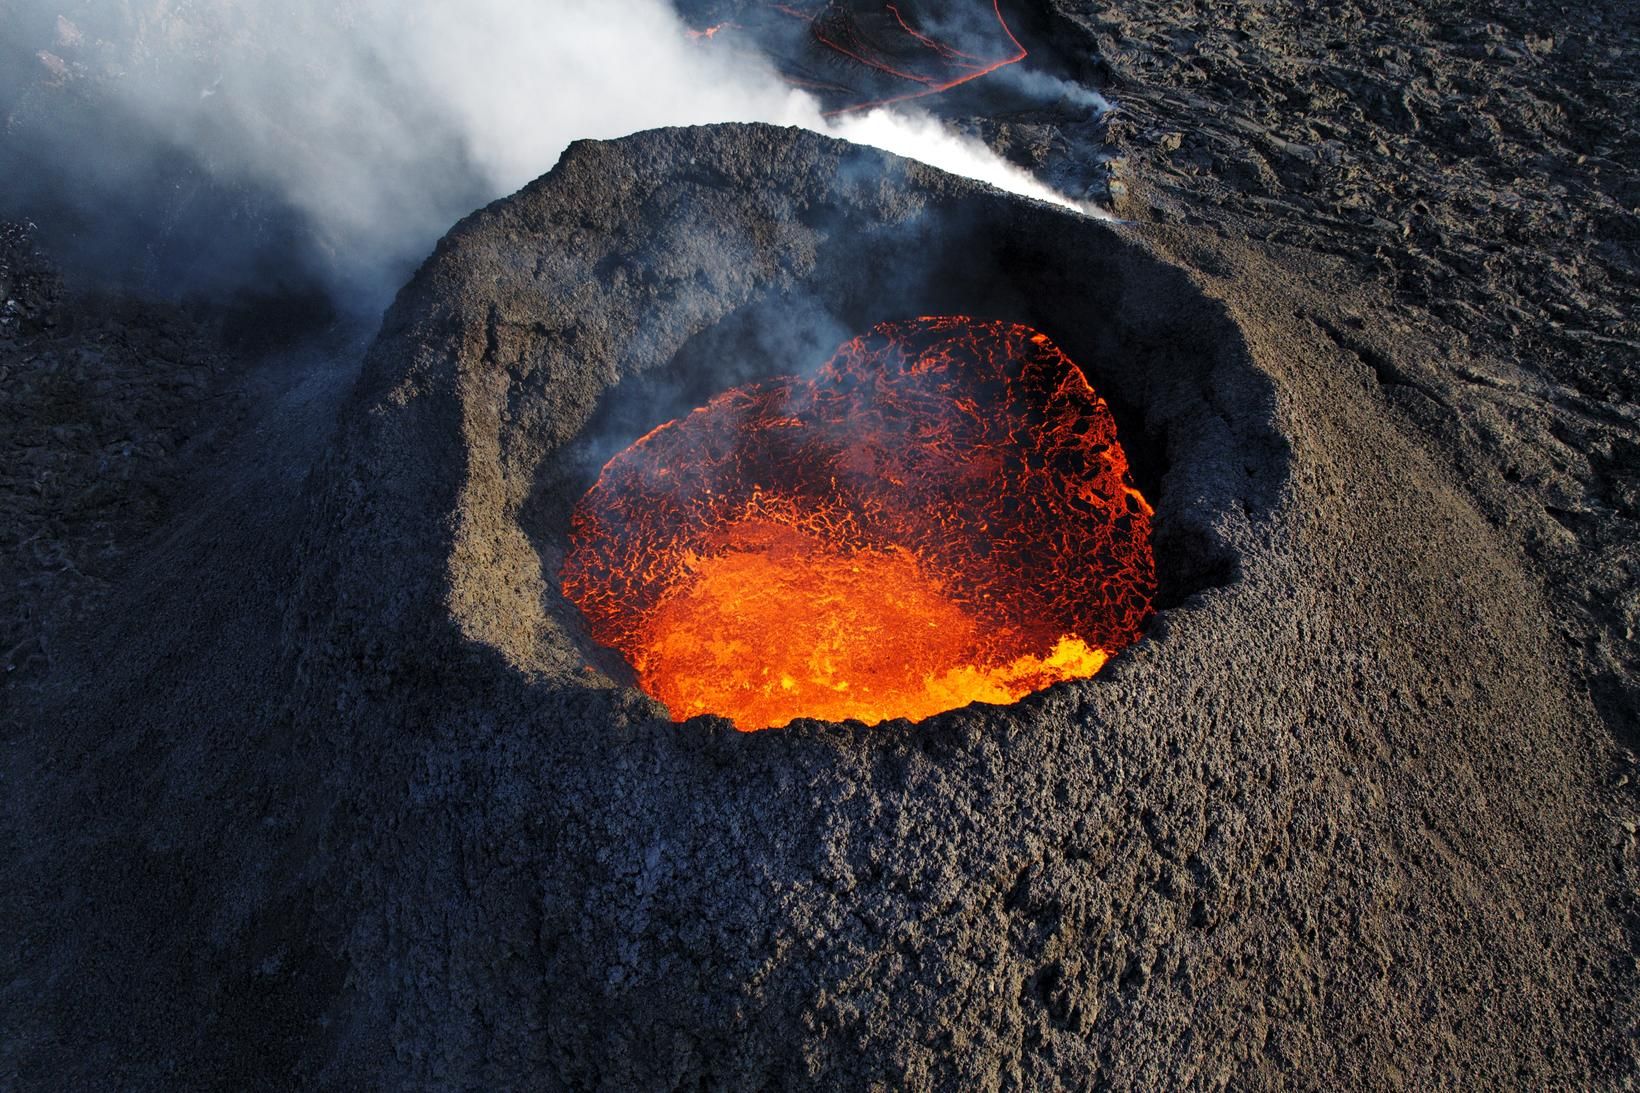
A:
{"points": [[1332, 822]]}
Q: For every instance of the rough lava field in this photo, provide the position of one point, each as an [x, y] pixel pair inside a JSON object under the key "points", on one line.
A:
{"points": [[313, 777]]}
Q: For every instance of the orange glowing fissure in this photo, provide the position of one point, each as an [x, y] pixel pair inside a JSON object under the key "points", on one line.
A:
{"points": [[946, 66], [941, 515]]}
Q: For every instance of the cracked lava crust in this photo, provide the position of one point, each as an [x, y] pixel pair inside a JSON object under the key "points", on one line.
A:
{"points": [[942, 515]]}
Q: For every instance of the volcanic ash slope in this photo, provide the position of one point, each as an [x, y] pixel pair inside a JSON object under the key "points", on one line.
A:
{"points": [[1324, 825]]}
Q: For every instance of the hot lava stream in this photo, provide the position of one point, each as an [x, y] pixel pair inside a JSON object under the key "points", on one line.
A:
{"points": [[941, 515]]}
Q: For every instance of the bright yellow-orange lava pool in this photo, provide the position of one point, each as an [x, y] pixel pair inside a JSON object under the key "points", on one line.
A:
{"points": [[941, 515]]}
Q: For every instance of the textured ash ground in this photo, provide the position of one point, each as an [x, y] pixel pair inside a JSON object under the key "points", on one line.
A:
{"points": [[325, 794]]}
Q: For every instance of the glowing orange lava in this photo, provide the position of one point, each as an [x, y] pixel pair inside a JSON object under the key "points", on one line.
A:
{"points": [[887, 44], [942, 66], [942, 515]]}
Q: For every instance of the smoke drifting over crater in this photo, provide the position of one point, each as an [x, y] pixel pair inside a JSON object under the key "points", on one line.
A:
{"points": [[239, 142]]}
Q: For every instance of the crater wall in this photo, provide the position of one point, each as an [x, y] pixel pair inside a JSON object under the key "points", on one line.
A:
{"points": [[1320, 826]]}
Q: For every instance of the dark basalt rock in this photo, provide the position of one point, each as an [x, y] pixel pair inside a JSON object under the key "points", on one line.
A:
{"points": [[1326, 824]]}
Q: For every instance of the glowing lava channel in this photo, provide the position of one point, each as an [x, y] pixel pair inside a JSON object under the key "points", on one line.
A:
{"points": [[909, 57], [942, 515], [960, 67]]}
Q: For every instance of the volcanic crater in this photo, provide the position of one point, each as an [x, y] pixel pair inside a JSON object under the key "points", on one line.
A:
{"points": [[338, 788], [1156, 352], [1030, 893]]}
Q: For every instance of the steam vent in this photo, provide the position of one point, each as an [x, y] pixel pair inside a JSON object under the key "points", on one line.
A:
{"points": [[1322, 819], [942, 515]]}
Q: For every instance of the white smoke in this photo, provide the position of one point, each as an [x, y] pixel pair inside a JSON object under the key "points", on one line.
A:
{"points": [[924, 138], [384, 120], [1051, 88]]}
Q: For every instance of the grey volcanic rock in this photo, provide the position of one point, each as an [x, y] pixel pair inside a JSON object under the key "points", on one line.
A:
{"points": [[1331, 822]]}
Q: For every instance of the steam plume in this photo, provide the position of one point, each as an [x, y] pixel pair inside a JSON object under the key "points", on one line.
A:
{"points": [[379, 122]]}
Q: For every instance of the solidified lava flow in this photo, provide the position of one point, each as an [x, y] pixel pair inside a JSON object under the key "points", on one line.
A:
{"points": [[921, 64], [873, 53], [942, 515]]}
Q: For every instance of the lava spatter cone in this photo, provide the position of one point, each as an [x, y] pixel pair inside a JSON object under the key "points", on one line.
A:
{"points": [[943, 514]]}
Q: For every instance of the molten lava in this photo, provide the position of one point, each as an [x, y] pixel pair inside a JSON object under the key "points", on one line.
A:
{"points": [[942, 515], [903, 53]]}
